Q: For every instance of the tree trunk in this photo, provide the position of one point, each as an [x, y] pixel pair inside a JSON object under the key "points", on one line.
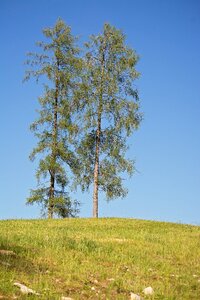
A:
{"points": [[51, 197], [54, 151], [96, 170], [98, 134]]}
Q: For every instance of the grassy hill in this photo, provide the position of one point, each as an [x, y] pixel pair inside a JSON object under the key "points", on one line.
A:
{"points": [[99, 259]]}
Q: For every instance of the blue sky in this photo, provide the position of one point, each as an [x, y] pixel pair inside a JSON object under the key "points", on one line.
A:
{"points": [[166, 148]]}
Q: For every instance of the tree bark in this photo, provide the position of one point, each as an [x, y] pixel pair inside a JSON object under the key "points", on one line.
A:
{"points": [[98, 134], [54, 151], [52, 171], [96, 169], [51, 196]]}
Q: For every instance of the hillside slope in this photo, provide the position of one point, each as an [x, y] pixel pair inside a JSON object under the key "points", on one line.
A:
{"points": [[99, 259]]}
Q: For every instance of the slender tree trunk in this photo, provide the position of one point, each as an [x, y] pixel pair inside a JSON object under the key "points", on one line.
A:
{"points": [[98, 134], [52, 171], [54, 152], [96, 169], [51, 196]]}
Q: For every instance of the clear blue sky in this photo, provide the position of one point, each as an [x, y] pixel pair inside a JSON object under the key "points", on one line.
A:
{"points": [[166, 35]]}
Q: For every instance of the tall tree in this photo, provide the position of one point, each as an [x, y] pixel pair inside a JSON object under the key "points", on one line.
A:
{"points": [[111, 114], [58, 62]]}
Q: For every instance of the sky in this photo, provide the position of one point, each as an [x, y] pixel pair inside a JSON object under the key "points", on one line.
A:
{"points": [[166, 148]]}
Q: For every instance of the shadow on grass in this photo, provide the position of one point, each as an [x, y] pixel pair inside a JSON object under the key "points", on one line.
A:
{"points": [[16, 258]]}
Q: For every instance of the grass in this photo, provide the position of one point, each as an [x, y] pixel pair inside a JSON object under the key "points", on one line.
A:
{"points": [[99, 259]]}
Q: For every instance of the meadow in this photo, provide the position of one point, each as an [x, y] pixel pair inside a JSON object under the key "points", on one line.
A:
{"points": [[99, 259]]}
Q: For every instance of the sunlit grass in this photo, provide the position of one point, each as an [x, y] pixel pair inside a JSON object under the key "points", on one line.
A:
{"points": [[100, 259]]}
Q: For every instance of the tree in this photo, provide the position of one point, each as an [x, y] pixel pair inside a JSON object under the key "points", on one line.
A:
{"points": [[111, 113], [59, 63]]}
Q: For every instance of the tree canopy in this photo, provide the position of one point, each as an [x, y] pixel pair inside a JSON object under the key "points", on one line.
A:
{"points": [[58, 61], [89, 108], [110, 115]]}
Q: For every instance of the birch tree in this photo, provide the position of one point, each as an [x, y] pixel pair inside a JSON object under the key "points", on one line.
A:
{"points": [[110, 115]]}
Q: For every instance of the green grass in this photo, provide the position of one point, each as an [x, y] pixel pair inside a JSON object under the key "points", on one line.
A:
{"points": [[100, 259]]}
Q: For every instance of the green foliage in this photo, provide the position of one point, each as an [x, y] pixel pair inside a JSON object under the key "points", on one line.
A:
{"points": [[89, 108], [64, 206], [111, 106], [55, 127]]}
